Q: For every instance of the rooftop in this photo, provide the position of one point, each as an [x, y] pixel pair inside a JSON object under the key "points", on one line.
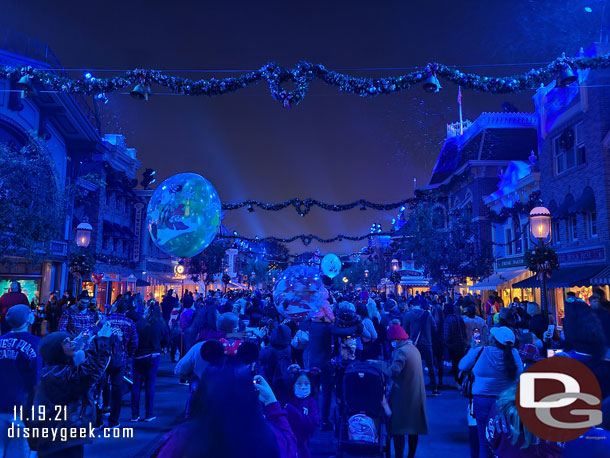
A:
{"points": [[492, 136]]}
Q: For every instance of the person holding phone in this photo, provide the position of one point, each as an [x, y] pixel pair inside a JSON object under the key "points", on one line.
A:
{"points": [[233, 415]]}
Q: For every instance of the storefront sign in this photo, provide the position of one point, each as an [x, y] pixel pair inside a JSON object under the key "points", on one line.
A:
{"points": [[511, 262], [592, 255], [111, 277], [138, 225]]}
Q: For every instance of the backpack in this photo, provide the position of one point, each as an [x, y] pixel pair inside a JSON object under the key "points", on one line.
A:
{"points": [[362, 428], [466, 379]]}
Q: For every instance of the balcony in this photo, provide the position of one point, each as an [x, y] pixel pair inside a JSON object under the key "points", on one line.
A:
{"points": [[486, 120]]}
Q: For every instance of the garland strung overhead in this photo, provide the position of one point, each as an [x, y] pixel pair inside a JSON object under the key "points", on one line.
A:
{"points": [[301, 75], [303, 207], [306, 238]]}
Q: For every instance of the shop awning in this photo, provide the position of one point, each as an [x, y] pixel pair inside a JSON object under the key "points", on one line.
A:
{"points": [[565, 277], [128, 232], [491, 283], [586, 202], [110, 230], [414, 282], [119, 230], [601, 278], [565, 208]]}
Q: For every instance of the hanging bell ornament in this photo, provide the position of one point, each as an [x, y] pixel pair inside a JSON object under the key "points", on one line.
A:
{"points": [[25, 85], [566, 76], [432, 83], [141, 92]]}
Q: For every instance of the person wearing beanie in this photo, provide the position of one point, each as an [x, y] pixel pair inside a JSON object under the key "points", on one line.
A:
{"points": [[408, 393], [20, 365], [77, 318], [63, 384]]}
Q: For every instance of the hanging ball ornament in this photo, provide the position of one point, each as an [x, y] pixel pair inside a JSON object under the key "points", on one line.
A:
{"points": [[298, 292], [331, 265], [184, 215]]}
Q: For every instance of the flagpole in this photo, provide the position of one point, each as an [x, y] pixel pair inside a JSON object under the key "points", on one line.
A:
{"points": [[460, 105]]}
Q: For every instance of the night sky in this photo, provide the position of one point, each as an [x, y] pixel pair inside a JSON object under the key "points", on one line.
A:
{"points": [[333, 147]]}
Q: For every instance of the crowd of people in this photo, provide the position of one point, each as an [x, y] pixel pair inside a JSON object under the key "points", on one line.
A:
{"points": [[277, 382]]}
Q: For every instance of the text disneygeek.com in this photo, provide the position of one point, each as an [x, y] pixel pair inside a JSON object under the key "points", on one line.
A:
{"points": [[66, 434]]}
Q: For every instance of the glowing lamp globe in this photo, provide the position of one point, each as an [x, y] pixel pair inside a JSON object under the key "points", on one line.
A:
{"points": [[83, 235], [540, 223], [184, 215]]}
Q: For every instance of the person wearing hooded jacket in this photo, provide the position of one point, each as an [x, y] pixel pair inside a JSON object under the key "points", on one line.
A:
{"points": [[67, 385]]}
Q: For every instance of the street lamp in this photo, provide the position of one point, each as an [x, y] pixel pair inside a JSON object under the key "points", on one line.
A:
{"points": [[541, 232], [345, 282], [83, 234], [394, 265]]}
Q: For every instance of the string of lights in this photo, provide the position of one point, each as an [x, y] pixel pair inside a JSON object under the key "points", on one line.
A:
{"points": [[303, 206], [302, 75], [305, 238]]}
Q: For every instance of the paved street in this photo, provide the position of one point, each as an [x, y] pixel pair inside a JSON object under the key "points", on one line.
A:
{"points": [[446, 422]]}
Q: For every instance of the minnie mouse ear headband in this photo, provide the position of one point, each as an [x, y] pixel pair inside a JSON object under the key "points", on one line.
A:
{"points": [[296, 369]]}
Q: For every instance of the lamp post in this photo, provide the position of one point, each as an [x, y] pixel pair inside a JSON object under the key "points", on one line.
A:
{"points": [[83, 234], [541, 233], [345, 282]]}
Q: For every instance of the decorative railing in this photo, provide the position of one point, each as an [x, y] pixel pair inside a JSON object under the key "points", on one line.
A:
{"points": [[493, 120]]}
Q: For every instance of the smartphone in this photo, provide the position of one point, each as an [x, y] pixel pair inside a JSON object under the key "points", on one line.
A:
{"points": [[550, 353], [551, 329], [476, 336]]}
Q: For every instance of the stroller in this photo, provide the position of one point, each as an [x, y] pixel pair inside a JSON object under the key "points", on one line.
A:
{"points": [[360, 414]]}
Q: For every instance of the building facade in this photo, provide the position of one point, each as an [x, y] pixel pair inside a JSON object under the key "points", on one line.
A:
{"points": [[574, 134]]}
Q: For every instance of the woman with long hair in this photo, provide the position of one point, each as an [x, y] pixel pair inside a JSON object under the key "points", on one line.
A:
{"points": [[233, 415], [495, 367]]}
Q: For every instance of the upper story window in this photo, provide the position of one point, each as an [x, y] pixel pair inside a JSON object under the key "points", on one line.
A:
{"points": [[591, 224], [569, 149], [573, 228], [556, 232], [509, 242]]}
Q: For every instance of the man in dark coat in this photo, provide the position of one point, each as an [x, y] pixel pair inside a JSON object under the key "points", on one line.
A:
{"points": [[167, 305]]}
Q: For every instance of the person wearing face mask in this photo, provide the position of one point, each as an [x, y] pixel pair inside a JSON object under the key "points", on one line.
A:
{"points": [[19, 373], [302, 409], [66, 386], [78, 318], [407, 394]]}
